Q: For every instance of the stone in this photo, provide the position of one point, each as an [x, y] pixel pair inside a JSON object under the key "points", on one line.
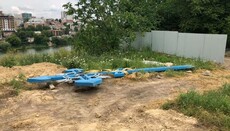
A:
{"points": [[132, 76], [168, 64], [97, 115], [51, 86], [207, 73], [189, 71], [159, 77]]}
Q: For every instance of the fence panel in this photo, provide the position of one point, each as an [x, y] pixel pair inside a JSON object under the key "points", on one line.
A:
{"points": [[147, 40], [137, 42], [189, 45], [170, 42], [193, 45], [180, 46], [214, 47], [158, 41]]}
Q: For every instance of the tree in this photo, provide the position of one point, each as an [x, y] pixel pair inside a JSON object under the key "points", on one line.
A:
{"points": [[198, 16], [67, 28], [14, 40], [4, 46], [47, 33], [59, 41], [60, 21], [41, 28], [41, 39], [105, 24], [24, 34]]}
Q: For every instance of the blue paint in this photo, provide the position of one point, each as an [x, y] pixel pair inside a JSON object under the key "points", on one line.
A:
{"points": [[93, 79]]}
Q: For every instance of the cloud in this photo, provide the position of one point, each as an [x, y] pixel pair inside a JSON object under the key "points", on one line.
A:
{"points": [[53, 8], [26, 8], [16, 10]]}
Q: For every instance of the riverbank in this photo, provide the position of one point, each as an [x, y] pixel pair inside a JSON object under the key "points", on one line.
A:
{"points": [[34, 49]]}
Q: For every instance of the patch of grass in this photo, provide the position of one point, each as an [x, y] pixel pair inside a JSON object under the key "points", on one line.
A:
{"points": [[111, 60], [18, 83], [227, 77], [211, 108], [171, 73]]}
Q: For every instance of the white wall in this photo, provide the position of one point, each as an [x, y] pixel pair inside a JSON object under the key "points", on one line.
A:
{"points": [[190, 45]]}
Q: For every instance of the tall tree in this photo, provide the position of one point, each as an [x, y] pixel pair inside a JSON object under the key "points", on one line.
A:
{"points": [[197, 16], [14, 40], [105, 24], [201, 16]]}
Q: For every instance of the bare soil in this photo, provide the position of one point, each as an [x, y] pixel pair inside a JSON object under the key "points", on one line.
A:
{"points": [[117, 104]]}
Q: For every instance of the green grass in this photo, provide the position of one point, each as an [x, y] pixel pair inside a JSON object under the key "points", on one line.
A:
{"points": [[18, 83], [211, 108], [171, 73], [109, 60]]}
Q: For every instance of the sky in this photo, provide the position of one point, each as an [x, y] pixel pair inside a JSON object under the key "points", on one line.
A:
{"points": [[38, 8]]}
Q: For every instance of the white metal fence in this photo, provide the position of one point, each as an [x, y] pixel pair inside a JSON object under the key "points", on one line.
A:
{"points": [[190, 45]]}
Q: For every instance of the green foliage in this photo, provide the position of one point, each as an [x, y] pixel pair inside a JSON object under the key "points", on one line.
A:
{"points": [[197, 16], [59, 41], [107, 24], [37, 28], [46, 33], [24, 34], [108, 60], [171, 73], [41, 39], [14, 40], [18, 83], [4, 46], [211, 108], [8, 61]]}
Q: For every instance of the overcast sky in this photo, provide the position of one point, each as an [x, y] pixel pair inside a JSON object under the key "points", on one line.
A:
{"points": [[38, 8]]}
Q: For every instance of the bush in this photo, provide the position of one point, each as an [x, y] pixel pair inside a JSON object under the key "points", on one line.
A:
{"points": [[14, 40], [18, 83], [211, 108], [4, 46], [59, 41]]}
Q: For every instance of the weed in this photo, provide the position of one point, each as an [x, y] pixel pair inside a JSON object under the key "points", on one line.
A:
{"points": [[18, 83], [171, 73], [112, 60], [211, 108], [167, 105]]}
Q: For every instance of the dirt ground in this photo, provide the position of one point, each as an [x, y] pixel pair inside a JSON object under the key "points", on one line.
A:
{"points": [[117, 104]]}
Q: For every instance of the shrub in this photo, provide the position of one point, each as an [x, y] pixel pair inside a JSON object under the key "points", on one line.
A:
{"points": [[4, 46], [211, 108], [14, 40]]}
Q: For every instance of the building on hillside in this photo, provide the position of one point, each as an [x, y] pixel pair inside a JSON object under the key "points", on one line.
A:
{"points": [[57, 32], [18, 21], [26, 16], [7, 25], [35, 22], [54, 25], [65, 17]]}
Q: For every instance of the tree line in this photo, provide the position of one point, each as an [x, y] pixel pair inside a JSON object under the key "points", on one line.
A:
{"points": [[105, 24], [42, 37]]}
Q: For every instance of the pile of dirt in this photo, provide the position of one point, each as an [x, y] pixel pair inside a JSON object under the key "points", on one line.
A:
{"points": [[37, 69]]}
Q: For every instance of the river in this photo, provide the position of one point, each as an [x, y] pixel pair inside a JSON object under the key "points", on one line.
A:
{"points": [[40, 51]]}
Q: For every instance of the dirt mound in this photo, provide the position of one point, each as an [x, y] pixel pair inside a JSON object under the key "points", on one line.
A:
{"points": [[37, 69]]}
